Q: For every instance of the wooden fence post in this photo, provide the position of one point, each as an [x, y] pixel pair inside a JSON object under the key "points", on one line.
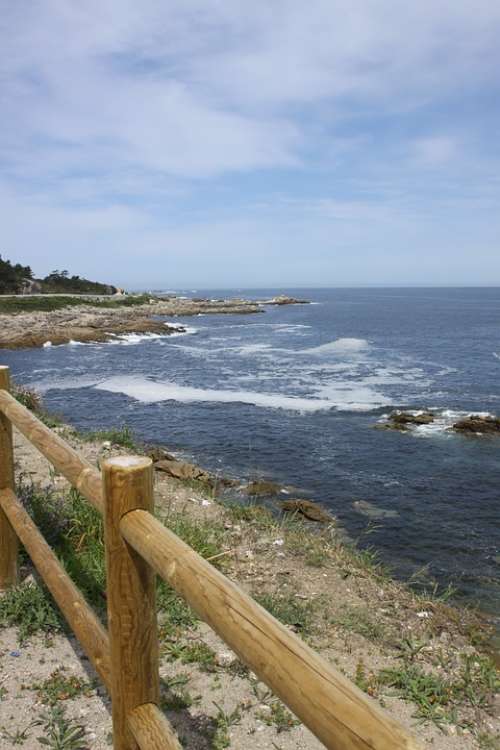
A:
{"points": [[128, 485], [8, 537]]}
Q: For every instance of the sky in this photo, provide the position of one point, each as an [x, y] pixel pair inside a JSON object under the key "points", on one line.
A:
{"points": [[227, 143]]}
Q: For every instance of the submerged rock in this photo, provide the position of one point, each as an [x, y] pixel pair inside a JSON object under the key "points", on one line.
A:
{"points": [[308, 509], [403, 420], [476, 424], [263, 487], [373, 511]]}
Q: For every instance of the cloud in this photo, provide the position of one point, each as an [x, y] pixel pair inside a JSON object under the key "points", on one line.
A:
{"points": [[435, 150], [136, 125]]}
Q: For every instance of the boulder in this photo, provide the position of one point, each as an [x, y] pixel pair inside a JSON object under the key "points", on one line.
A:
{"points": [[156, 453], [184, 470], [307, 508], [406, 418], [263, 487], [403, 420], [476, 424]]}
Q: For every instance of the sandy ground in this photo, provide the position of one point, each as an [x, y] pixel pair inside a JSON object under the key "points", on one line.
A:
{"points": [[260, 562]]}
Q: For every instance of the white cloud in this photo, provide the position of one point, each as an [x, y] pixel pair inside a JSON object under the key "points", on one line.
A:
{"points": [[435, 150], [198, 88], [120, 120]]}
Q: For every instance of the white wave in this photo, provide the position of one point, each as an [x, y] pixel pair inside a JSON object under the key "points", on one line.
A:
{"points": [[64, 383], [188, 331], [148, 391], [496, 355], [251, 348], [343, 397], [47, 345], [352, 396], [340, 346], [130, 339]]}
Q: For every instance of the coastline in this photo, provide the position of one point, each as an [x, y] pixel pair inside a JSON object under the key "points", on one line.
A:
{"points": [[375, 629], [101, 319], [88, 323]]}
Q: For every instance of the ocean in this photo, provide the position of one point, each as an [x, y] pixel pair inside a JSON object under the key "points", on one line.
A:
{"points": [[294, 394]]}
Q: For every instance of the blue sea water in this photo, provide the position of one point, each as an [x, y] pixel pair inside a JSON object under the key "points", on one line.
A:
{"points": [[294, 394]]}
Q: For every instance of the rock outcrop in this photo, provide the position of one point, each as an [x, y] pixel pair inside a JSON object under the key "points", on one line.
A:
{"points": [[87, 323], [283, 299], [478, 425], [307, 508], [403, 420], [262, 487], [184, 470]]}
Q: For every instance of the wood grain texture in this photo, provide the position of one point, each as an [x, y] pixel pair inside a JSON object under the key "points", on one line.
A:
{"points": [[84, 623], [128, 485], [335, 710], [151, 729], [8, 538], [79, 472]]}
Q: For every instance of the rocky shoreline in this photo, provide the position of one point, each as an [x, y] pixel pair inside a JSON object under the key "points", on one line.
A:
{"points": [[89, 324]]}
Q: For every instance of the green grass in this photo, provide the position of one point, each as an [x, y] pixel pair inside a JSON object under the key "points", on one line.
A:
{"points": [[121, 436], [61, 733], [31, 609], [488, 741], [222, 723], [60, 686], [18, 737], [31, 399], [359, 620], [440, 699], [279, 717], [74, 530], [174, 694], [48, 303], [28, 397], [296, 613], [367, 682], [195, 652], [432, 695]]}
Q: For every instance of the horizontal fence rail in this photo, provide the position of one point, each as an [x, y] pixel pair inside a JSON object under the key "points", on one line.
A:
{"points": [[137, 548], [62, 456], [338, 713]]}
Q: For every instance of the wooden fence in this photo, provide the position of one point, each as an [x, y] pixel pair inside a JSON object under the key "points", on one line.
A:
{"points": [[137, 548]]}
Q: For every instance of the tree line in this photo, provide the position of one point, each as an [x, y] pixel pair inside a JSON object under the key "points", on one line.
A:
{"points": [[19, 279]]}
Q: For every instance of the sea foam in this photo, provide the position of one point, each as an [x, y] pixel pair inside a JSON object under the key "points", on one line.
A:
{"points": [[148, 391], [339, 346]]}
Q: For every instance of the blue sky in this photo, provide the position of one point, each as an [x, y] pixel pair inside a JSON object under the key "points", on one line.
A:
{"points": [[209, 143]]}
